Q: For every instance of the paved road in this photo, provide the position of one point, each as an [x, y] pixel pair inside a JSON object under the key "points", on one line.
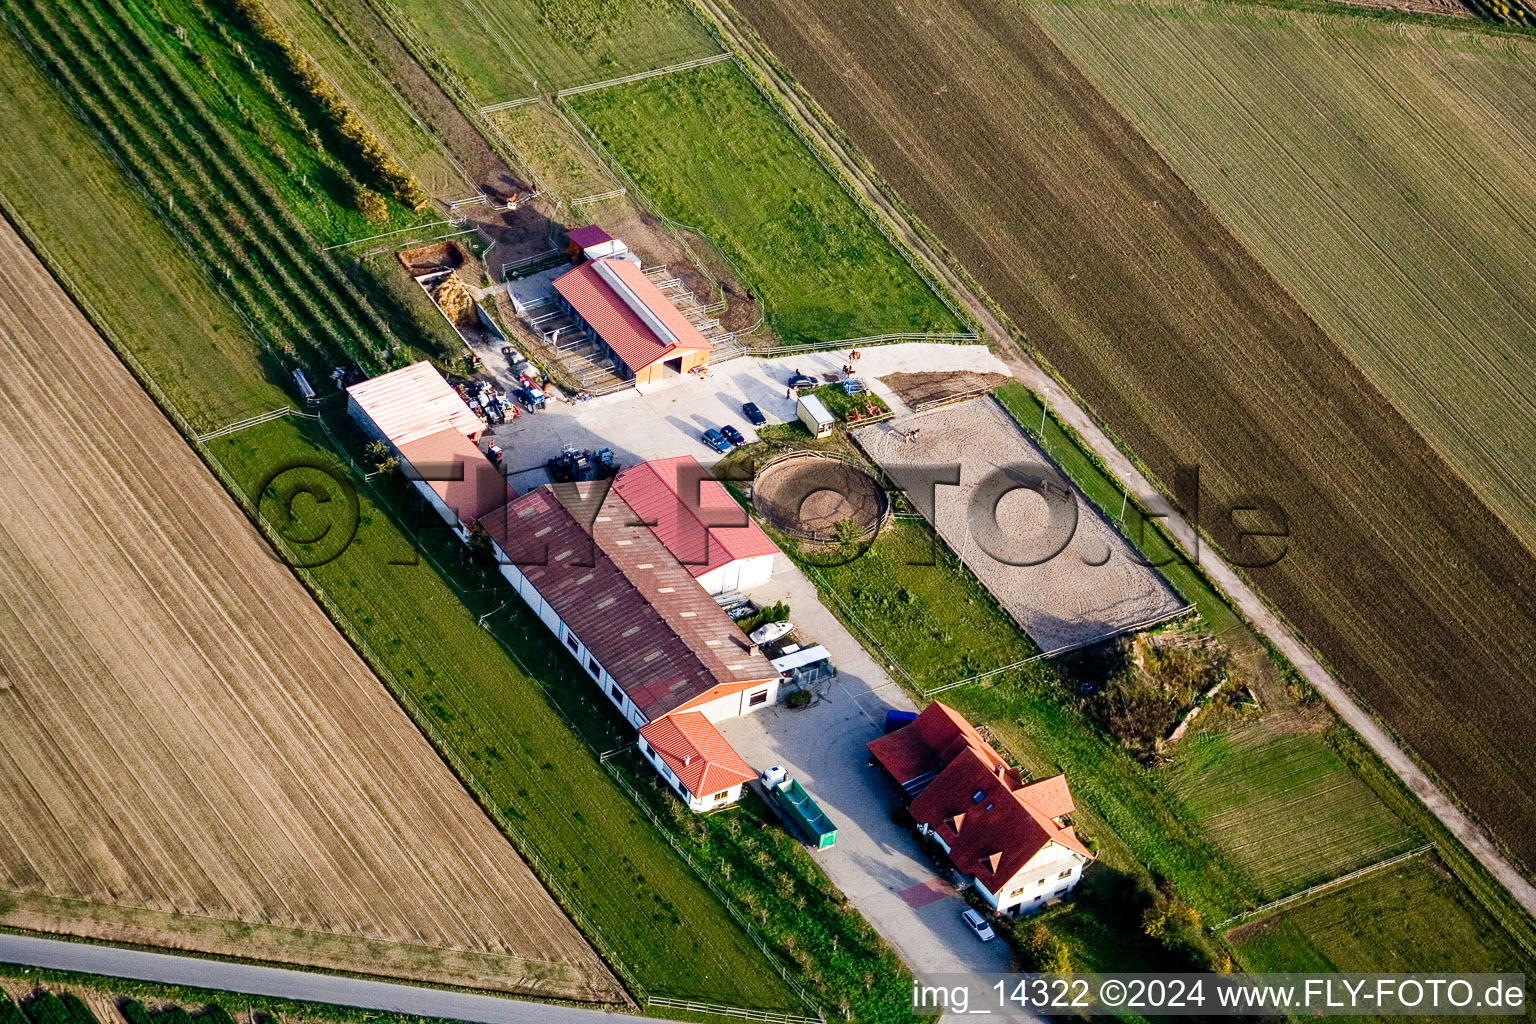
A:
{"points": [[284, 983], [750, 50]]}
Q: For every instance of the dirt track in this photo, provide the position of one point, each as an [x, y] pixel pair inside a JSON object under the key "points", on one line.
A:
{"points": [[1420, 599], [186, 740]]}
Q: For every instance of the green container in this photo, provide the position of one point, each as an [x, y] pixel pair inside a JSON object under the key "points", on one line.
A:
{"points": [[799, 808]]}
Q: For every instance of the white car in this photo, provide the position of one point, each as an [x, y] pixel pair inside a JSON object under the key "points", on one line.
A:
{"points": [[978, 924]]}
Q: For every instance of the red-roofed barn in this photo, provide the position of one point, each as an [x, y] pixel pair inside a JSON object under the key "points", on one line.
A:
{"points": [[648, 337], [699, 522], [1004, 834]]}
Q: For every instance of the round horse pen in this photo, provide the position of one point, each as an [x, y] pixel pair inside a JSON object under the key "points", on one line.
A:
{"points": [[807, 494]]}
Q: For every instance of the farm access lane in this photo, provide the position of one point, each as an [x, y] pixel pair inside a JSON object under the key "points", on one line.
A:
{"points": [[289, 983], [753, 53], [875, 862]]}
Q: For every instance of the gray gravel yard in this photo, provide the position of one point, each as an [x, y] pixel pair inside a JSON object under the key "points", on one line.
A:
{"points": [[875, 862], [1093, 588]]}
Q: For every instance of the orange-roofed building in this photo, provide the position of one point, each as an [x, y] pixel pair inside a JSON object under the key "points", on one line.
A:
{"points": [[433, 432], [648, 337], [455, 477], [1005, 835], [695, 760]]}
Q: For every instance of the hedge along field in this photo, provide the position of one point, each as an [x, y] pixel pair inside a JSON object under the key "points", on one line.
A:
{"points": [[375, 99], [707, 150], [505, 49], [1417, 595], [1385, 173]]}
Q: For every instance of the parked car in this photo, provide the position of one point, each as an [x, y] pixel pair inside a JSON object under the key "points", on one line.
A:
{"points": [[853, 386], [753, 414], [978, 924], [732, 435], [716, 440], [800, 380]]}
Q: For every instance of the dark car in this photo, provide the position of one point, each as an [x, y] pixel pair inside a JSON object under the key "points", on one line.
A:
{"points": [[716, 440], [753, 414], [732, 435], [801, 380]]}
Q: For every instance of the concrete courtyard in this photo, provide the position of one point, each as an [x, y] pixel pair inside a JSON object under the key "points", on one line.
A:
{"points": [[875, 862], [660, 421]]}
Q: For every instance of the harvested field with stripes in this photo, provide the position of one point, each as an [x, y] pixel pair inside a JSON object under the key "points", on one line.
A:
{"points": [[1193, 353], [192, 755], [1389, 182]]}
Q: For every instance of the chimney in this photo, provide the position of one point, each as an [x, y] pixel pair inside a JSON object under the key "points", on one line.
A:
{"points": [[956, 821], [993, 861]]}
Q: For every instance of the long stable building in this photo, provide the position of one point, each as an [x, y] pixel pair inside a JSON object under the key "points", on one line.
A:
{"points": [[634, 617], [627, 599]]}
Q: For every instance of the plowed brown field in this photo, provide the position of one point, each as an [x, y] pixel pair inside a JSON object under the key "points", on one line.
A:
{"points": [[190, 753], [1419, 597]]}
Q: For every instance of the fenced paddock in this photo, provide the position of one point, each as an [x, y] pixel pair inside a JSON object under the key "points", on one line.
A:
{"points": [[1093, 588], [806, 494]]}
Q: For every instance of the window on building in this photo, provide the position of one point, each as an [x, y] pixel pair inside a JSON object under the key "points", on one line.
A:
{"points": [[1018, 892], [1040, 882], [1061, 892], [1065, 873], [571, 642], [719, 796], [760, 697], [594, 668]]}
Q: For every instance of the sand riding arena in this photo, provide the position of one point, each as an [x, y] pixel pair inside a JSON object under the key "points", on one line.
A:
{"points": [[1050, 559], [806, 494]]}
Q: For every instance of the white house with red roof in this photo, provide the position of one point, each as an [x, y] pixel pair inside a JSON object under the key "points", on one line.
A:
{"points": [[695, 760], [627, 314], [699, 522], [1006, 836]]}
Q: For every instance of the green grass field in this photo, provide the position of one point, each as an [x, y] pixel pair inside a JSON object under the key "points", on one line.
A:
{"points": [[501, 50], [376, 101], [1413, 917], [490, 719], [1384, 172], [1284, 807], [707, 150], [551, 150]]}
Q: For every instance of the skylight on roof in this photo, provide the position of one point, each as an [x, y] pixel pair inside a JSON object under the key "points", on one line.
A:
{"points": [[980, 793]]}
